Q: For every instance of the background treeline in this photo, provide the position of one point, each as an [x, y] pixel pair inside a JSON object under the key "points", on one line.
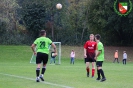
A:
{"points": [[21, 20]]}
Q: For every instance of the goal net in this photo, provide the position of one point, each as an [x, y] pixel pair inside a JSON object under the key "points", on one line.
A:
{"points": [[57, 58]]}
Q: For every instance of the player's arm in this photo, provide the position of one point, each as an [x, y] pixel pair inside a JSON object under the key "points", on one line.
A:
{"points": [[85, 53], [98, 53], [95, 49], [33, 48], [54, 46]]}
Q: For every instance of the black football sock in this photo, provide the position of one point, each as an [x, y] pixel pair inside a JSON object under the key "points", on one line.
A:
{"points": [[43, 70], [102, 73], [37, 72], [98, 73]]}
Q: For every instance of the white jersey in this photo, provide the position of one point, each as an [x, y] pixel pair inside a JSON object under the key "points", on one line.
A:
{"points": [[124, 56]]}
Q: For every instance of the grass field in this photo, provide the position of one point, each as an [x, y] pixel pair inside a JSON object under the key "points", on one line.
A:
{"points": [[17, 72]]}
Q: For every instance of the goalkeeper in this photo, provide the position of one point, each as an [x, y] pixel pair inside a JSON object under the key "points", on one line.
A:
{"points": [[42, 43]]}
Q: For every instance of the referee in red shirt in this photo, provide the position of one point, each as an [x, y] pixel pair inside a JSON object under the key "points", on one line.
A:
{"points": [[89, 54]]}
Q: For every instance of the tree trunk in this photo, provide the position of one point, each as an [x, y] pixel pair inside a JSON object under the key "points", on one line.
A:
{"points": [[52, 26], [82, 35]]}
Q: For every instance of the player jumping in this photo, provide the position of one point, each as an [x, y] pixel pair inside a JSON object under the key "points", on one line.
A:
{"points": [[42, 43], [89, 54]]}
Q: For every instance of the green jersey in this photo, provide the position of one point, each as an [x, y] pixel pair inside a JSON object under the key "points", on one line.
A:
{"points": [[42, 44], [101, 55]]}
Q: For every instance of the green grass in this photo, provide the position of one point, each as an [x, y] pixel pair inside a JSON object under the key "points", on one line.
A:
{"points": [[14, 60]]}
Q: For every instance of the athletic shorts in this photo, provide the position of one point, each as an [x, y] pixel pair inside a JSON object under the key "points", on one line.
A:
{"points": [[90, 57], [90, 60], [99, 63], [41, 57]]}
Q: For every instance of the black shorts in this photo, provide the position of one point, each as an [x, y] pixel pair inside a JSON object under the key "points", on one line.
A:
{"points": [[90, 57], [41, 57], [90, 60], [99, 63]]}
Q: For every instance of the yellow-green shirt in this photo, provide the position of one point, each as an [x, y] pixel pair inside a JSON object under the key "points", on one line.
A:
{"points": [[100, 47], [42, 44]]}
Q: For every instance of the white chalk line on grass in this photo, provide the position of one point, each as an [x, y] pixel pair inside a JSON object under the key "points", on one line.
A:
{"points": [[49, 83]]}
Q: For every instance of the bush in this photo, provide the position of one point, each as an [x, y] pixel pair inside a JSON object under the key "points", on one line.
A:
{"points": [[2, 27], [16, 38]]}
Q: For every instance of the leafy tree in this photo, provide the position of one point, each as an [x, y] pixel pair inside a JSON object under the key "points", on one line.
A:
{"points": [[50, 18], [34, 17], [8, 13], [78, 20], [115, 29]]}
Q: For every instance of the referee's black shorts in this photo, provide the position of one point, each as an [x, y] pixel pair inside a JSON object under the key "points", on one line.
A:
{"points": [[41, 57], [99, 63]]}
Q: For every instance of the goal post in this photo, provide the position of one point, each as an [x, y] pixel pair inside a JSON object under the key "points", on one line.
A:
{"points": [[58, 57], [58, 49]]}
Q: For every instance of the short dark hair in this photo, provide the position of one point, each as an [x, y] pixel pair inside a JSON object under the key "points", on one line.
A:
{"points": [[42, 32], [97, 36]]}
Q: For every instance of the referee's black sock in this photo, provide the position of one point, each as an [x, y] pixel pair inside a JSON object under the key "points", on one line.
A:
{"points": [[102, 73], [37, 72], [43, 70]]}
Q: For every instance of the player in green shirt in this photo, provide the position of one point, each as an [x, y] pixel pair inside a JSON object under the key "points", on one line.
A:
{"points": [[99, 58], [42, 45]]}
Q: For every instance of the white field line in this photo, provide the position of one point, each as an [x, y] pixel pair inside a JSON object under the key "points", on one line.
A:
{"points": [[49, 83]]}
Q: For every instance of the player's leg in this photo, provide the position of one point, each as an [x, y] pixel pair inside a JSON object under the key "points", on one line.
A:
{"points": [[98, 71], [101, 71], [42, 72], [45, 60], [93, 69], [38, 72], [38, 62], [87, 66], [93, 66], [125, 61]]}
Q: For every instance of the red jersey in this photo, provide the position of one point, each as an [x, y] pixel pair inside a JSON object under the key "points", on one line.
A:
{"points": [[90, 47]]}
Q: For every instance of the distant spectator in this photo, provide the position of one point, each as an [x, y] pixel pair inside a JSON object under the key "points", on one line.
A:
{"points": [[116, 56], [72, 56], [124, 57], [53, 55]]}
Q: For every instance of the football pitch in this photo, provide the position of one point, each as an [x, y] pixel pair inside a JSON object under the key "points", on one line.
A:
{"points": [[17, 72]]}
